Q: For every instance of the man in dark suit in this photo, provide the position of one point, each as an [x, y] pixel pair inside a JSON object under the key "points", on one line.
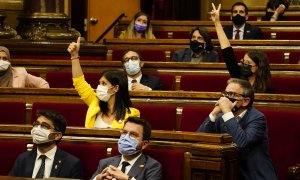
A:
{"points": [[132, 164], [47, 160], [233, 113], [133, 64], [240, 29]]}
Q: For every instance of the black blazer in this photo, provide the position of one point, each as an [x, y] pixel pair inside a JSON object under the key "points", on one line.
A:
{"points": [[250, 32], [64, 165], [152, 81], [185, 55]]}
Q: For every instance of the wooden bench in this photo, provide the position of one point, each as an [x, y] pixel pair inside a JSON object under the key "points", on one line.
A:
{"points": [[204, 155]]}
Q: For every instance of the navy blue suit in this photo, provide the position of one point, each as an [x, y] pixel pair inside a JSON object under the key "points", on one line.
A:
{"points": [[64, 165], [185, 55], [144, 168], [250, 32], [151, 81], [251, 136]]}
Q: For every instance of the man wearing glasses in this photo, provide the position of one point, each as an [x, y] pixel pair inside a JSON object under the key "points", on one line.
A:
{"points": [[132, 164], [234, 114], [47, 160], [136, 79]]}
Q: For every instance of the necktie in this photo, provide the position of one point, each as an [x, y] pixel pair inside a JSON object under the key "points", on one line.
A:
{"points": [[133, 81], [41, 171], [124, 165], [237, 35]]}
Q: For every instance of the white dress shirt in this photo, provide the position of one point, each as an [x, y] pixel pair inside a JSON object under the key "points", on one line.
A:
{"points": [[48, 162], [242, 29]]}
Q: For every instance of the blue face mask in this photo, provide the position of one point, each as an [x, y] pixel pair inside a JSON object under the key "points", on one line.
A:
{"points": [[132, 67], [127, 146], [140, 28]]}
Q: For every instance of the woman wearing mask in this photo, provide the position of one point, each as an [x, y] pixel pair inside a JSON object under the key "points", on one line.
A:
{"points": [[17, 76], [201, 48], [110, 106], [254, 67], [139, 28]]}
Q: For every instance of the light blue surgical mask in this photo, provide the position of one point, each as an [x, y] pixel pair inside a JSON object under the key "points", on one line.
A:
{"points": [[127, 146], [132, 67]]}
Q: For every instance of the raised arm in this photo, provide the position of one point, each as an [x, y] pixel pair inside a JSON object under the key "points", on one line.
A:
{"points": [[73, 49], [278, 12], [215, 17]]}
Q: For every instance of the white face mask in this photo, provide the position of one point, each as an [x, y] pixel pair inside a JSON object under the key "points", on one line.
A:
{"points": [[102, 93], [4, 65], [40, 135], [132, 67]]}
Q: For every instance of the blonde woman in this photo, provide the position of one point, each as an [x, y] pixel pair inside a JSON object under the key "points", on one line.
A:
{"points": [[139, 28]]}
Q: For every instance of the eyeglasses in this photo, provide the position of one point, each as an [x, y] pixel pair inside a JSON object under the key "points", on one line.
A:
{"points": [[246, 63], [232, 94], [132, 58], [132, 135], [43, 125]]}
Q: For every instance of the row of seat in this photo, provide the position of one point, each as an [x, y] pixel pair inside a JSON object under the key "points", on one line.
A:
{"points": [[282, 124], [283, 84]]}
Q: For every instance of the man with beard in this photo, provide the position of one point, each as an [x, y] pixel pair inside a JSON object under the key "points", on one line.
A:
{"points": [[240, 29], [234, 114], [132, 164], [201, 48], [47, 160]]}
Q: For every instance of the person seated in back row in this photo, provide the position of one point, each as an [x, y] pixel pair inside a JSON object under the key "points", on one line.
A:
{"points": [[240, 29], [201, 48], [275, 10], [137, 81], [47, 160], [17, 76], [138, 28]]}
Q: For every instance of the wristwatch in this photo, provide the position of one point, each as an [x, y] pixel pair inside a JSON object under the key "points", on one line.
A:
{"points": [[130, 177]]}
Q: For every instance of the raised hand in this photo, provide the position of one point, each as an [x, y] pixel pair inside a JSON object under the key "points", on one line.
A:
{"points": [[279, 10], [73, 48], [215, 13]]}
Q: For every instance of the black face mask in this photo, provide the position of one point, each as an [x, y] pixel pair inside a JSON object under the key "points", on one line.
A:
{"points": [[245, 70], [238, 20], [197, 47], [235, 108]]}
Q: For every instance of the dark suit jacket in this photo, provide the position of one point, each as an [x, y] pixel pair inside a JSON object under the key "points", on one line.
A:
{"points": [[65, 165], [251, 136], [145, 167], [185, 55], [250, 32], [151, 81]]}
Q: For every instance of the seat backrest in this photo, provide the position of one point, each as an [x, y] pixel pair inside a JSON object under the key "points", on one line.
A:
{"points": [[12, 112], [284, 134], [286, 84], [168, 81], [192, 117], [9, 152], [294, 57], [204, 82], [159, 117], [171, 160], [89, 154], [74, 113]]}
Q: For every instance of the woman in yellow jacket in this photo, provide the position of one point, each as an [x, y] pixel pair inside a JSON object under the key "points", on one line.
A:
{"points": [[110, 105]]}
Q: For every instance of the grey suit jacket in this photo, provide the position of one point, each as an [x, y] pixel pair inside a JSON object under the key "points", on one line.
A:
{"points": [[145, 168], [250, 135], [185, 55], [64, 165]]}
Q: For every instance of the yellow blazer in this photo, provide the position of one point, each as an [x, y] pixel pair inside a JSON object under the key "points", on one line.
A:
{"points": [[88, 95]]}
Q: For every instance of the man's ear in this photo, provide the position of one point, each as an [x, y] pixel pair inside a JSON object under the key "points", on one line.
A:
{"points": [[57, 136], [141, 64], [246, 101], [246, 17], [145, 144]]}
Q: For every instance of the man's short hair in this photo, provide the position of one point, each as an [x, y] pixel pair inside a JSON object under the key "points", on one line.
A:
{"points": [[248, 90], [240, 4], [144, 123], [57, 119], [133, 50]]}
